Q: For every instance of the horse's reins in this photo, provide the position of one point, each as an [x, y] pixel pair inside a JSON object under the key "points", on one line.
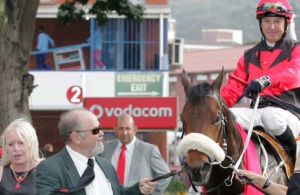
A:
{"points": [[172, 173], [249, 135], [223, 120], [250, 129], [288, 105], [228, 181]]}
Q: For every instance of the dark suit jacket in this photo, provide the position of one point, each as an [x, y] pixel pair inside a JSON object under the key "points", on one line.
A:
{"points": [[294, 184], [146, 162], [59, 171]]}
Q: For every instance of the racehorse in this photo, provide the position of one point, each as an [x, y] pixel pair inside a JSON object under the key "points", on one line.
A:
{"points": [[212, 143]]}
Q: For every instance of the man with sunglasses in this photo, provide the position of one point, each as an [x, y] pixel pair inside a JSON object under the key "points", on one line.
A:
{"points": [[77, 169], [271, 68]]}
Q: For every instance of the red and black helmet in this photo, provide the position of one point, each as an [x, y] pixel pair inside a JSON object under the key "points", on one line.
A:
{"points": [[274, 8]]}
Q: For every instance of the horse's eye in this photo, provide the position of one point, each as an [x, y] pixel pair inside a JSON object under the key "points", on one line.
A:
{"points": [[218, 119]]}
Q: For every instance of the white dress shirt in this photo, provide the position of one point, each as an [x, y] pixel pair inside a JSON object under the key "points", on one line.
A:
{"points": [[100, 184]]}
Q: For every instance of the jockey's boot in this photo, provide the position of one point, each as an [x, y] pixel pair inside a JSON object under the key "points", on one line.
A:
{"points": [[288, 142]]}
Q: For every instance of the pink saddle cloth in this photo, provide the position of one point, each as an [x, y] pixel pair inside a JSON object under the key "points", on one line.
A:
{"points": [[251, 162]]}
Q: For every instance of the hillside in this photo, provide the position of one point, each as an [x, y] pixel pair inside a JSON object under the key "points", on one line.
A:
{"points": [[194, 15]]}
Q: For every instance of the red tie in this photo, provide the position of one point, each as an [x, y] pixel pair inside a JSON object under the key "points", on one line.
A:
{"points": [[121, 164]]}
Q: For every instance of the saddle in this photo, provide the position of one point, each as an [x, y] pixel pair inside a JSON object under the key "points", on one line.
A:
{"points": [[278, 151]]}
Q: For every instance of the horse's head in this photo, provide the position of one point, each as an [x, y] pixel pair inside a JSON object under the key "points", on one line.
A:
{"points": [[204, 127]]}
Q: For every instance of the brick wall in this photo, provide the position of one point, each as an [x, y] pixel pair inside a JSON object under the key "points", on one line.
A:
{"points": [[45, 123], [76, 32]]}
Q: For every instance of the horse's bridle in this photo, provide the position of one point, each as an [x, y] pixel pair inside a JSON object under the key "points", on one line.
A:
{"points": [[222, 118], [228, 181]]}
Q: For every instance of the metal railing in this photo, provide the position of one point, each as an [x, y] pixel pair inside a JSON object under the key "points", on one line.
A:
{"points": [[119, 45]]}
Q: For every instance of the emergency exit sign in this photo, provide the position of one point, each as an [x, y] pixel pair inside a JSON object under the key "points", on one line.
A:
{"points": [[140, 84]]}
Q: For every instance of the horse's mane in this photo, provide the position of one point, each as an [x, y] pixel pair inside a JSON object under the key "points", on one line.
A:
{"points": [[199, 91]]}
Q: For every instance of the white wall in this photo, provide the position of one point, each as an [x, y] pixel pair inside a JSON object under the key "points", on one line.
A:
{"points": [[51, 93]]}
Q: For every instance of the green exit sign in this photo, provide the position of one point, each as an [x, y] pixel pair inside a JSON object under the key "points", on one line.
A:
{"points": [[138, 84]]}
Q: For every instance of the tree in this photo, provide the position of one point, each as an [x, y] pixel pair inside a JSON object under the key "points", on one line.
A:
{"points": [[71, 10], [17, 22]]}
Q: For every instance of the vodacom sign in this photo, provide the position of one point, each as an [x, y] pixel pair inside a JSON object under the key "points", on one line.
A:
{"points": [[149, 113]]}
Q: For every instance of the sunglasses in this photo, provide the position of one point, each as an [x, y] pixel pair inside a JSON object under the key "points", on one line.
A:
{"points": [[277, 6], [95, 131]]}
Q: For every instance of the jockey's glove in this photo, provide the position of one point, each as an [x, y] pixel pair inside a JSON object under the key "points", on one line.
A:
{"points": [[256, 86]]}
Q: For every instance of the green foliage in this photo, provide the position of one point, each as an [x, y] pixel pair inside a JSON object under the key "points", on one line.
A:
{"points": [[176, 185], [73, 10], [68, 12]]}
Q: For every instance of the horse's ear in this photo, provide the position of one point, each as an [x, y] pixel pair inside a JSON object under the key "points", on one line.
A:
{"points": [[218, 82], [185, 81]]}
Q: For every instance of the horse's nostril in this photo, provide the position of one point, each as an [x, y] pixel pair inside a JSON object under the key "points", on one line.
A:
{"points": [[199, 175], [206, 167]]}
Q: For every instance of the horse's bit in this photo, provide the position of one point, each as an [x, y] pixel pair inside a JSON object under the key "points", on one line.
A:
{"points": [[227, 182]]}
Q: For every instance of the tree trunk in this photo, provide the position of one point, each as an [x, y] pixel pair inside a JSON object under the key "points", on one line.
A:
{"points": [[15, 46]]}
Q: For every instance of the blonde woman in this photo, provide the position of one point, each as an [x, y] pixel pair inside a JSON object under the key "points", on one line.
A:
{"points": [[19, 159]]}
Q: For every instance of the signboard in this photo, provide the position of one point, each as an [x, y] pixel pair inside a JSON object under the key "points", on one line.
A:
{"points": [[148, 113], [69, 59], [64, 90], [59, 90], [140, 84], [74, 94]]}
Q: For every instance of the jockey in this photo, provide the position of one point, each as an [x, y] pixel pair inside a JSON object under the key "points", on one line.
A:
{"points": [[271, 68]]}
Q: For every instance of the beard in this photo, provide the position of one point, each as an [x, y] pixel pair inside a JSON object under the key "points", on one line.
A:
{"points": [[99, 148]]}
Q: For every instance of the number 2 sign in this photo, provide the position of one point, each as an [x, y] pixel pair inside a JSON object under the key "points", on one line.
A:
{"points": [[74, 94]]}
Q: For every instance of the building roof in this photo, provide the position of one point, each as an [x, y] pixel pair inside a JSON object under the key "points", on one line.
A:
{"points": [[202, 61]]}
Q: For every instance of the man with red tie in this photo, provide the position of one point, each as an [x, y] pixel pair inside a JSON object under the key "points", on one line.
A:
{"points": [[134, 159]]}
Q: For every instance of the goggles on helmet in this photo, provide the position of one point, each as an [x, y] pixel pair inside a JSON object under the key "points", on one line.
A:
{"points": [[278, 7]]}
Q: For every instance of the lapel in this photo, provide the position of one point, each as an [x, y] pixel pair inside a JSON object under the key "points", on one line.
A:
{"points": [[110, 147], [108, 172], [70, 167], [136, 156], [102, 166]]}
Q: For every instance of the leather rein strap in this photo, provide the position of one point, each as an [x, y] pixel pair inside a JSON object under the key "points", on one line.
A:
{"points": [[223, 120]]}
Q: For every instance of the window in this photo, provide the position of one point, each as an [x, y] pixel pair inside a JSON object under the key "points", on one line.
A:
{"points": [[128, 45], [172, 85]]}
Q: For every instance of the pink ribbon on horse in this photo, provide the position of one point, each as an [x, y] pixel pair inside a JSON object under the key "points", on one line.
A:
{"points": [[251, 161]]}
